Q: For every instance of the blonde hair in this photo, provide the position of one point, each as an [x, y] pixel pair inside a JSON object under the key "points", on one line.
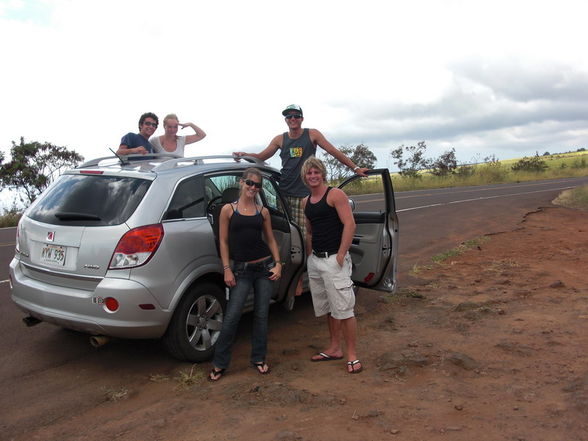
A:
{"points": [[168, 117], [313, 162]]}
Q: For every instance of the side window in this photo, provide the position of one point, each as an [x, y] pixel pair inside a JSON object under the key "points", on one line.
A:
{"points": [[188, 200], [215, 185], [271, 199]]}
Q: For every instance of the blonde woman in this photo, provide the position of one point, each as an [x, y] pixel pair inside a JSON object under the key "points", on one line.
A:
{"points": [[248, 262], [170, 142]]}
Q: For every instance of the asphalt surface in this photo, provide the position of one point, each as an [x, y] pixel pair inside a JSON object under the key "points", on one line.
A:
{"points": [[431, 221]]}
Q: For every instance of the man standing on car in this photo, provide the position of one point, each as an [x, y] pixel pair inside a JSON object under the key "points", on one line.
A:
{"points": [[138, 143], [330, 227], [296, 145]]}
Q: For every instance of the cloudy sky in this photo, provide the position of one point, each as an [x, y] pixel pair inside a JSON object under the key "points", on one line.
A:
{"points": [[503, 78]]}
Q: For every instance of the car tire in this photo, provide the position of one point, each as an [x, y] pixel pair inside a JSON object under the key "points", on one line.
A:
{"points": [[196, 323]]}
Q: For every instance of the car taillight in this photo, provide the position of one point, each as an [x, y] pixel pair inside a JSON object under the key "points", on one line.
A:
{"points": [[136, 247], [17, 238]]}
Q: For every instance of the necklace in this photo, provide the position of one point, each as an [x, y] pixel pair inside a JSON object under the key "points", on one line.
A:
{"points": [[241, 207]]}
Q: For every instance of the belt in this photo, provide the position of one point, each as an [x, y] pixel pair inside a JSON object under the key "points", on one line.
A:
{"points": [[260, 263], [323, 254]]}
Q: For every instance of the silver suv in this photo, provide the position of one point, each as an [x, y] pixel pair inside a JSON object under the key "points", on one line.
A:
{"points": [[128, 248]]}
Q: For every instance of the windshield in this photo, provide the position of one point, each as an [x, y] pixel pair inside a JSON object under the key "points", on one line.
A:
{"points": [[83, 200]]}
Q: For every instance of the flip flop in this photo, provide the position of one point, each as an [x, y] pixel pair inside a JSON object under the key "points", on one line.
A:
{"points": [[259, 365], [324, 357], [352, 364], [214, 373]]}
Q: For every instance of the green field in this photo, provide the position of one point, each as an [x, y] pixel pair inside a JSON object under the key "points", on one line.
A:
{"points": [[565, 165]]}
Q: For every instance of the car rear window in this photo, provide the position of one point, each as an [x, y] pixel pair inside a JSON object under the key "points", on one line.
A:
{"points": [[87, 200]]}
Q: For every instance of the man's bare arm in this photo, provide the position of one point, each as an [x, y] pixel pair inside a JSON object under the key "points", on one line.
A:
{"points": [[323, 143], [125, 150], [266, 153]]}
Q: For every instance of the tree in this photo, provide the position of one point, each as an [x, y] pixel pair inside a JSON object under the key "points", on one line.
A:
{"points": [[532, 164], [361, 155], [445, 164], [34, 165], [415, 161]]}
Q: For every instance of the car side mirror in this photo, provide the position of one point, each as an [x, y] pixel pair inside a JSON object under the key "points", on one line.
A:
{"points": [[351, 204]]}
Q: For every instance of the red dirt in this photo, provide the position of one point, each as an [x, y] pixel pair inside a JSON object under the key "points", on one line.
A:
{"points": [[490, 345]]}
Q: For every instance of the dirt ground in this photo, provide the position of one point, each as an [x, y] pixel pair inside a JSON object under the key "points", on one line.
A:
{"points": [[489, 345]]}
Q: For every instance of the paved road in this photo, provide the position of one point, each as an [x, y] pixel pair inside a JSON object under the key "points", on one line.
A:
{"points": [[433, 221]]}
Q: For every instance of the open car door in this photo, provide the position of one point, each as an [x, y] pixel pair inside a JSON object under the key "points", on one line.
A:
{"points": [[374, 251]]}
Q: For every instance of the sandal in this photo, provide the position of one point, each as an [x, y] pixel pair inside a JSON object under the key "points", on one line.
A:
{"points": [[323, 356], [216, 374], [261, 367], [351, 364]]}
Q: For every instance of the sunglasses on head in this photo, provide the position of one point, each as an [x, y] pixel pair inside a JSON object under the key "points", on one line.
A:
{"points": [[295, 116], [252, 183]]}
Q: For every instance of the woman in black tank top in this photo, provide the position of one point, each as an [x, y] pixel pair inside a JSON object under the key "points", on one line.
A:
{"points": [[248, 262]]}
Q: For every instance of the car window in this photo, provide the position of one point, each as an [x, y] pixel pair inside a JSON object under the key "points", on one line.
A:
{"points": [[216, 184], [271, 198], [188, 200], [90, 200]]}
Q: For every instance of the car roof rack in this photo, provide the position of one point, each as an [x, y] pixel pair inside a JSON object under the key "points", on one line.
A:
{"points": [[199, 160], [128, 159]]}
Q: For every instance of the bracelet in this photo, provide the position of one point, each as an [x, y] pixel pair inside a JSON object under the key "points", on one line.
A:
{"points": [[226, 267], [356, 168]]}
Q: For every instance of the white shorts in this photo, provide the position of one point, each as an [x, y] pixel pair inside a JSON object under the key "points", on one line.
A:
{"points": [[331, 286]]}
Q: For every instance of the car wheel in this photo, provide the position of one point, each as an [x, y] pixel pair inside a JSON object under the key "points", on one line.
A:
{"points": [[196, 323]]}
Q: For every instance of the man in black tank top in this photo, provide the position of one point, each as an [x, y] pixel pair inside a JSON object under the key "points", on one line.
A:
{"points": [[330, 227]]}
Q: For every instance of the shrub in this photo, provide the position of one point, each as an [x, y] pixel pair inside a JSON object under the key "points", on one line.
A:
{"points": [[533, 164], [10, 218]]}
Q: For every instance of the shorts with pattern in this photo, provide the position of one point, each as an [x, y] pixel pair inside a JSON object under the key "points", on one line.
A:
{"points": [[297, 213], [331, 286]]}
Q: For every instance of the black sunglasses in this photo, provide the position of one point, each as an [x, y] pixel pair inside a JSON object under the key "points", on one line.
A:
{"points": [[150, 124], [252, 183], [293, 116]]}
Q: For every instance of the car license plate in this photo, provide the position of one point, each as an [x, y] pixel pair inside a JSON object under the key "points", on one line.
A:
{"points": [[53, 255]]}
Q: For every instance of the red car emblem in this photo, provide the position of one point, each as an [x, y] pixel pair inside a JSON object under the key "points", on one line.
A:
{"points": [[51, 236]]}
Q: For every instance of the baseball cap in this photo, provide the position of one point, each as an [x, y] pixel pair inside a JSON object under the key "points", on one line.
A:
{"points": [[294, 107]]}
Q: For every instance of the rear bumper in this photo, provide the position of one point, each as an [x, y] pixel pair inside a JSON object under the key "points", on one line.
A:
{"points": [[84, 311]]}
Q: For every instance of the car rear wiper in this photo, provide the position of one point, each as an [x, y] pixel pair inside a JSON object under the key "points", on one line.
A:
{"points": [[68, 216]]}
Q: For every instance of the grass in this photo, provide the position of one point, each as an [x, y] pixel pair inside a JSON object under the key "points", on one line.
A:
{"points": [[187, 379], [121, 393], [439, 259], [574, 198], [567, 165], [10, 218], [460, 249]]}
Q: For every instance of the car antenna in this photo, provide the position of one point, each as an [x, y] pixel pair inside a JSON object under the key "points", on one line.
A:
{"points": [[122, 160]]}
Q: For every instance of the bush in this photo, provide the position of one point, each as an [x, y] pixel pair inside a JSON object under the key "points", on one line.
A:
{"points": [[579, 163], [533, 164], [10, 218]]}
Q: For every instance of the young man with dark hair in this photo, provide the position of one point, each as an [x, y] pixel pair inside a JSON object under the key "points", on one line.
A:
{"points": [[330, 227], [138, 143]]}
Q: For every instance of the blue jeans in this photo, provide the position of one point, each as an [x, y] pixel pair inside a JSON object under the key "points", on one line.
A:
{"points": [[246, 276]]}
